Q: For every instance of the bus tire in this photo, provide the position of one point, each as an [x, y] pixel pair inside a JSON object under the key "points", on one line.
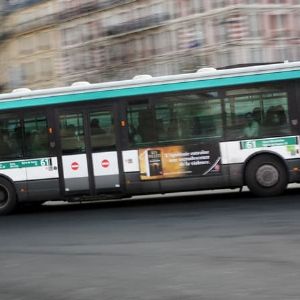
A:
{"points": [[266, 175], [8, 199]]}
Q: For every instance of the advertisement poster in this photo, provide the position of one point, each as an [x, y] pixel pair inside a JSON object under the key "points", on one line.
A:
{"points": [[179, 161]]}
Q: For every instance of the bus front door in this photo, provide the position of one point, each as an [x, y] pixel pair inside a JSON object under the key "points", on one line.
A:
{"points": [[88, 152]]}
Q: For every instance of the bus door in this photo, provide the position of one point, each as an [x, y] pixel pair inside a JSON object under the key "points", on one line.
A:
{"points": [[104, 156], [88, 151]]}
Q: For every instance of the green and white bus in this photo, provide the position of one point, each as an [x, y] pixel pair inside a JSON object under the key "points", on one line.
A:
{"points": [[206, 130]]}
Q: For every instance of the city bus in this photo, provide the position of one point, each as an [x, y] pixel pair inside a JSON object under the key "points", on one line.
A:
{"points": [[210, 129]]}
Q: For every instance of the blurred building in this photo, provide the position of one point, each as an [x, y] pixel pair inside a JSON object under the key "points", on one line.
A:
{"points": [[31, 48], [57, 42], [3, 37]]}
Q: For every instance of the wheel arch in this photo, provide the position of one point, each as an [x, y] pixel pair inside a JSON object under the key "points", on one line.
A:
{"points": [[7, 178], [9, 197], [260, 153]]}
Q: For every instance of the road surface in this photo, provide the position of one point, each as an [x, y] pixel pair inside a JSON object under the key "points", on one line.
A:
{"points": [[227, 246]]}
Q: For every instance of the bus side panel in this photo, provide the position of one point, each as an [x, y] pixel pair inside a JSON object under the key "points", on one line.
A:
{"points": [[236, 153], [34, 179], [135, 185], [106, 170], [43, 190], [32, 190], [239, 151], [75, 173], [17, 175]]}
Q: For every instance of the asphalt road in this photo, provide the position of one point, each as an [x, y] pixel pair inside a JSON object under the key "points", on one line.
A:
{"points": [[213, 247]]}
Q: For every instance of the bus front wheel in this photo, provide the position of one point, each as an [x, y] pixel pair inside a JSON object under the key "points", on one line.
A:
{"points": [[8, 199], [266, 176]]}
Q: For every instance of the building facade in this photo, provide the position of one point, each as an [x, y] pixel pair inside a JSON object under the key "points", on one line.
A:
{"points": [[31, 48], [57, 42]]}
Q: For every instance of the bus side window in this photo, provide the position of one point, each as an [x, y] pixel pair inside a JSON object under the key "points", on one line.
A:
{"points": [[173, 130], [276, 118], [140, 124], [193, 116], [145, 127], [72, 133], [11, 137], [267, 106], [5, 149], [102, 130], [36, 136]]}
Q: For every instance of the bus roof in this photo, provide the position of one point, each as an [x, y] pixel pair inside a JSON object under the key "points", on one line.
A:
{"points": [[206, 78]]}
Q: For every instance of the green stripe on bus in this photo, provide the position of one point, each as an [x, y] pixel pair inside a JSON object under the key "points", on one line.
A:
{"points": [[150, 89], [24, 164]]}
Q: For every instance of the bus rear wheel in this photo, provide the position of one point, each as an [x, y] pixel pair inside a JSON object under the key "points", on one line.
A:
{"points": [[266, 176], [8, 199]]}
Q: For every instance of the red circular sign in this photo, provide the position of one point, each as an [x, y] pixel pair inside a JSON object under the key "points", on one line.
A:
{"points": [[75, 166], [105, 163]]}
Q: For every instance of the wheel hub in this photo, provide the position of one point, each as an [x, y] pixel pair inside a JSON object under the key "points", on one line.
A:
{"points": [[267, 175]]}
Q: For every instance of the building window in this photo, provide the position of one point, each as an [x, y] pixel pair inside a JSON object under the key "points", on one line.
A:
{"points": [[279, 25], [256, 55], [28, 71], [79, 62], [156, 9], [254, 25], [183, 8], [283, 53], [87, 58], [71, 36], [14, 77], [151, 45], [219, 3], [98, 28], [277, 1], [161, 42], [67, 35], [46, 67], [198, 6], [85, 32], [220, 30], [225, 58], [44, 40], [97, 55], [26, 45]]}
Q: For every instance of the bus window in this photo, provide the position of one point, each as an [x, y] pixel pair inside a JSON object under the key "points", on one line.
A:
{"points": [[36, 136], [72, 133], [256, 112], [188, 117], [141, 124], [11, 137], [276, 114], [102, 130]]}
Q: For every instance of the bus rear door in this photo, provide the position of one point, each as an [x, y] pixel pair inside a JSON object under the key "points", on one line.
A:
{"points": [[88, 151]]}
